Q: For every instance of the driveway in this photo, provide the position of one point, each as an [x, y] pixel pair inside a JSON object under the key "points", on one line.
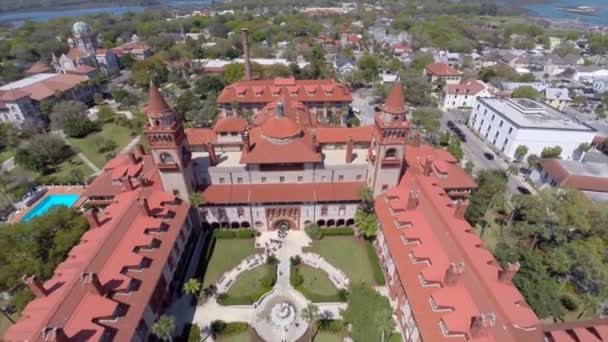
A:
{"points": [[474, 148]]}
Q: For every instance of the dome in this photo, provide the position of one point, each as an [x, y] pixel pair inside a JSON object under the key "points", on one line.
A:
{"points": [[281, 128], [81, 28]]}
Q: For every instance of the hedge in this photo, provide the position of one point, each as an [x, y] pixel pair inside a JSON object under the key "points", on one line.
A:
{"points": [[337, 231], [234, 233], [333, 325], [376, 268], [222, 328]]}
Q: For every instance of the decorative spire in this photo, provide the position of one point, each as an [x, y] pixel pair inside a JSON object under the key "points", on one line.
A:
{"points": [[157, 106], [395, 102]]}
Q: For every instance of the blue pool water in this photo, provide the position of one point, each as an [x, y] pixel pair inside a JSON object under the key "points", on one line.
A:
{"points": [[50, 201]]}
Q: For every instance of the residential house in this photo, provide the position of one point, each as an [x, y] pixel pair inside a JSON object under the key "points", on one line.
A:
{"points": [[344, 65], [465, 94], [442, 72]]}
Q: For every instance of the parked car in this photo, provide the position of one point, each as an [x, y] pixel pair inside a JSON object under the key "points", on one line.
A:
{"points": [[488, 155], [451, 124], [523, 190]]}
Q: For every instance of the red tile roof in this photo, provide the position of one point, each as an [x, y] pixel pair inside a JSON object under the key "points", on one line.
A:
{"points": [[442, 69], [581, 182], [13, 95], [264, 151], [230, 125], [264, 91], [107, 251], [38, 68], [76, 54], [594, 330], [471, 87], [434, 237], [200, 136], [333, 135], [84, 69], [51, 86], [157, 106], [282, 193], [395, 102], [280, 128], [449, 174], [295, 110]]}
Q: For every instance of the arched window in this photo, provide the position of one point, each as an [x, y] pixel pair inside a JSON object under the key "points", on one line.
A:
{"points": [[166, 158], [390, 153]]}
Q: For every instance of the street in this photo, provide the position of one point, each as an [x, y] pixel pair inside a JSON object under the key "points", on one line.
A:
{"points": [[474, 148]]}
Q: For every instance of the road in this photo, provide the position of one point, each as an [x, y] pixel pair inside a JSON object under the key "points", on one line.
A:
{"points": [[474, 148]]}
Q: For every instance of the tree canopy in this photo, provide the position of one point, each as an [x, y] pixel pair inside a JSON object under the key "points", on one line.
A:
{"points": [[369, 313]]}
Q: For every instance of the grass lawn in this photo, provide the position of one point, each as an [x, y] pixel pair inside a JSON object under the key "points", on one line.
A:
{"points": [[249, 286], [89, 144], [326, 336], [226, 254], [316, 286], [348, 254], [66, 168], [244, 336]]}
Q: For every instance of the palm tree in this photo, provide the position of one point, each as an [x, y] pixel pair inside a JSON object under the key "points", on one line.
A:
{"points": [[196, 200], [192, 287], [163, 328], [311, 314]]}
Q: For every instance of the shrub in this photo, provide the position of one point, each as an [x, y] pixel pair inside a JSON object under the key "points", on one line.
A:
{"points": [[295, 278], [343, 295], [272, 260], [337, 231], [78, 127], [313, 231], [569, 302], [331, 325], [195, 334], [295, 260], [373, 258], [218, 327]]}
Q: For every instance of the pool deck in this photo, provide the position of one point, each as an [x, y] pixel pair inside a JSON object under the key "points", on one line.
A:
{"points": [[52, 190]]}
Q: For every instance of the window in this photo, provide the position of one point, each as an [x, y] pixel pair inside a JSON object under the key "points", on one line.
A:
{"points": [[166, 158], [323, 179], [478, 106], [324, 210], [384, 187], [240, 212], [500, 124], [358, 177], [342, 210], [300, 178], [239, 180], [282, 179], [222, 180], [390, 153], [493, 116], [510, 130], [341, 177], [263, 179]]}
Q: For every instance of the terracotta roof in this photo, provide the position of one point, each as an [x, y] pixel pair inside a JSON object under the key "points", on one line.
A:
{"points": [[84, 69], [199, 136], [264, 91], [280, 128], [332, 135], [38, 68], [471, 87], [12, 95], [449, 174], [230, 125], [294, 150], [50, 86], [395, 102], [423, 241], [293, 109], [157, 106], [108, 251], [282, 193], [594, 330], [442, 69], [565, 179]]}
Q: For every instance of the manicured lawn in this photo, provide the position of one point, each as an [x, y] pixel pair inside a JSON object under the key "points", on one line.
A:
{"points": [[89, 145], [244, 336], [250, 286], [226, 254], [350, 255], [67, 168], [316, 286], [326, 336]]}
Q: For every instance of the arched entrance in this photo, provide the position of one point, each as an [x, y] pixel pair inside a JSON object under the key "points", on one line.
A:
{"points": [[283, 225]]}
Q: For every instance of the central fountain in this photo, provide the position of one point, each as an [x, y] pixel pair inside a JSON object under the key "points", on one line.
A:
{"points": [[282, 314]]}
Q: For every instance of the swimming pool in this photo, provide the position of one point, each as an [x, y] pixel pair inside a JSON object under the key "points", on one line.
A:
{"points": [[50, 201]]}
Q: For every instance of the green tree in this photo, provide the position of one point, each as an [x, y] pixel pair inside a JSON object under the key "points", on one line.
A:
{"points": [[195, 333], [366, 196], [164, 327], [367, 223], [79, 127], [311, 315], [106, 114], [455, 148], [42, 153], [418, 89], [313, 231], [192, 287], [421, 61], [469, 166], [491, 189], [521, 151], [369, 65], [551, 152], [234, 72], [428, 118], [66, 111], [526, 92], [532, 160]]}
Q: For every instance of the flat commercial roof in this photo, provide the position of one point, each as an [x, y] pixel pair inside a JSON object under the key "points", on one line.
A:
{"points": [[528, 113], [585, 169]]}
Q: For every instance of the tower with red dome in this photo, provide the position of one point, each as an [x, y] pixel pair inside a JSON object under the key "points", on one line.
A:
{"points": [[165, 136], [387, 149]]}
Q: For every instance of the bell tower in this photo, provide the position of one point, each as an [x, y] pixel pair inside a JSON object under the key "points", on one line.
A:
{"points": [[386, 152], [165, 135]]}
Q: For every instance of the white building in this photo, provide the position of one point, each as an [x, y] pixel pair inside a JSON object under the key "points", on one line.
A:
{"points": [[509, 123], [464, 95], [557, 97]]}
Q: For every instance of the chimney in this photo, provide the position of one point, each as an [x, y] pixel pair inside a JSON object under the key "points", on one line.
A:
{"points": [[453, 273], [428, 166], [54, 334], [412, 201], [212, 155], [246, 142], [461, 208], [139, 148], [91, 281], [132, 158], [127, 185], [144, 204], [92, 216], [506, 275], [416, 140], [481, 324], [245, 37], [35, 286], [349, 150]]}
